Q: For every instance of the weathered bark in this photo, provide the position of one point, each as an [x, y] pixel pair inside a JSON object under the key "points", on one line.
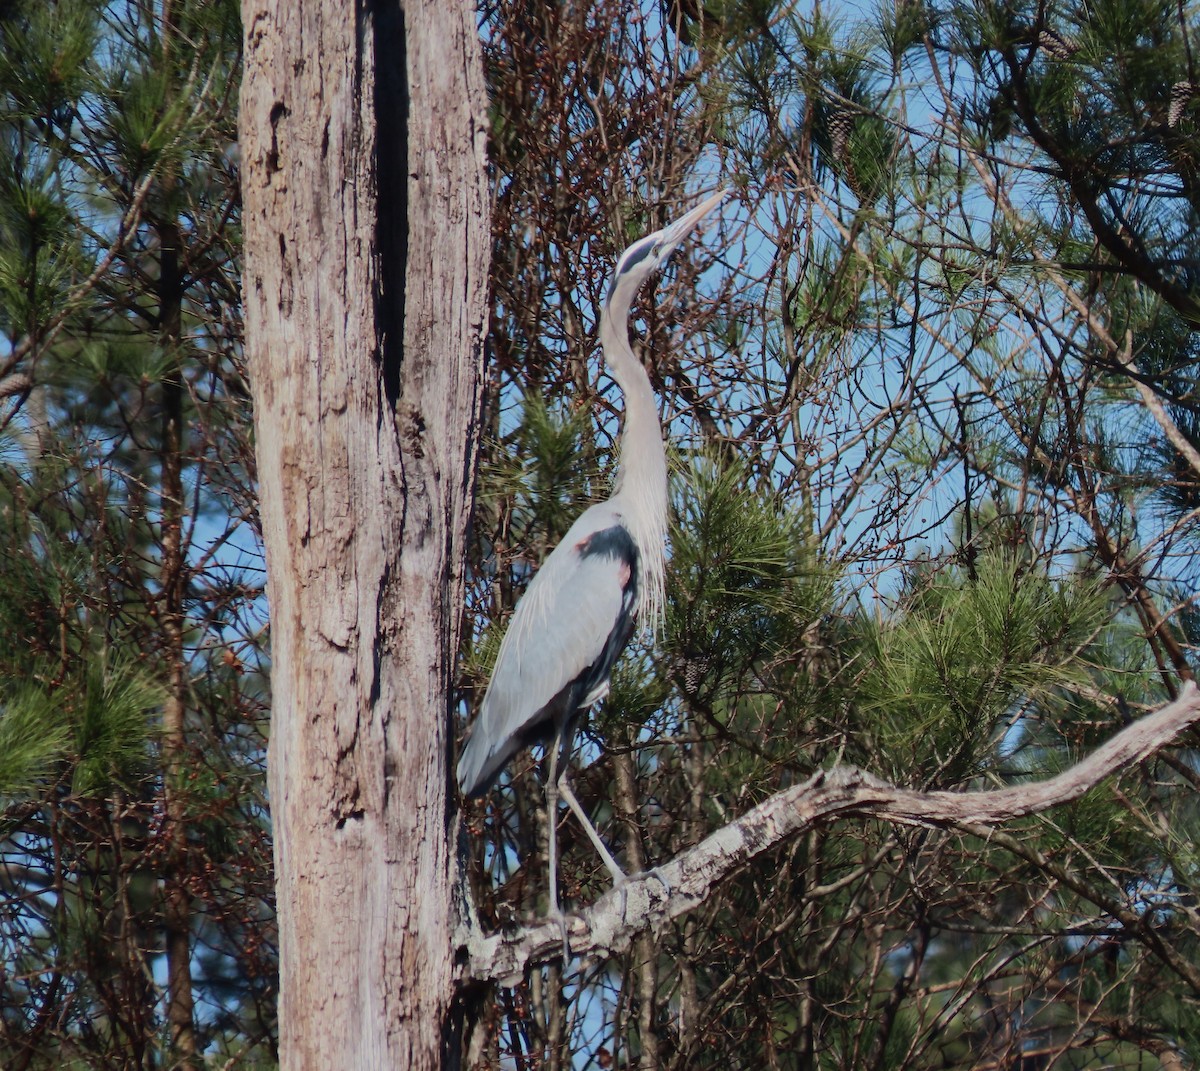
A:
{"points": [[366, 256], [648, 901]]}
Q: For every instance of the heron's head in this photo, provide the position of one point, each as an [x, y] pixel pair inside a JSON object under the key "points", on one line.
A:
{"points": [[648, 254]]}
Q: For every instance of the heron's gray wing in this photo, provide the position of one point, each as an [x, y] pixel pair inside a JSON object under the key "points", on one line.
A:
{"points": [[559, 629]]}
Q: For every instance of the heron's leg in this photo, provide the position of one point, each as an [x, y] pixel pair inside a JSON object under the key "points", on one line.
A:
{"points": [[566, 747], [552, 847], [567, 793], [552, 828]]}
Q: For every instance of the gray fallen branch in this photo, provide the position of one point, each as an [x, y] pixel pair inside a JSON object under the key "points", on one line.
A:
{"points": [[650, 900]]}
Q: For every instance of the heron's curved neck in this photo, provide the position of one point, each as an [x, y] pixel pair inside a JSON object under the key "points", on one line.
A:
{"points": [[641, 481]]}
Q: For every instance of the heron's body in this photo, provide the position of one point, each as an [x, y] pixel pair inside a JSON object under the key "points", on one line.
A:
{"points": [[580, 609], [568, 630]]}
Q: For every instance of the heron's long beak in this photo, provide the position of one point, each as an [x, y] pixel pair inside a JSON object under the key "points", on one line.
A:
{"points": [[675, 232]]}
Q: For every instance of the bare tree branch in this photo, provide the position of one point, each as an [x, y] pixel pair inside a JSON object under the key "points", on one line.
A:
{"points": [[649, 900]]}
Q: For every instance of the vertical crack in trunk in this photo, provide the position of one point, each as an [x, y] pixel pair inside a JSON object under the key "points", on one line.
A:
{"points": [[386, 22]]}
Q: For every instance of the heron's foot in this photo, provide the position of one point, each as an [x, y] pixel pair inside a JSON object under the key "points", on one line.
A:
{"points": [[657, 875]]}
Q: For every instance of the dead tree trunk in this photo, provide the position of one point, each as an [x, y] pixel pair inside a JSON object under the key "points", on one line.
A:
{"points": [[366, 256]]}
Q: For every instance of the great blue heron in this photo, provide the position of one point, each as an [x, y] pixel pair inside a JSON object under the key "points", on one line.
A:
{"points": [[579, 610]]}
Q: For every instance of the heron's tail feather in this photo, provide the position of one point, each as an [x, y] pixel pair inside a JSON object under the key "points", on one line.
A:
{"points": [[478, 767]]}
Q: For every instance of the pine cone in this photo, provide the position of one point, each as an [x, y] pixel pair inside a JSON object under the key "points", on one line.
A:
{"points": [[1181, 96], [1052, 42], [841, 126]]}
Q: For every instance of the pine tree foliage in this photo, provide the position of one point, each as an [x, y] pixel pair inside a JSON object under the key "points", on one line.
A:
{"points": [[947, 674], [748, 597], [135, 855], [28, 749]]}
